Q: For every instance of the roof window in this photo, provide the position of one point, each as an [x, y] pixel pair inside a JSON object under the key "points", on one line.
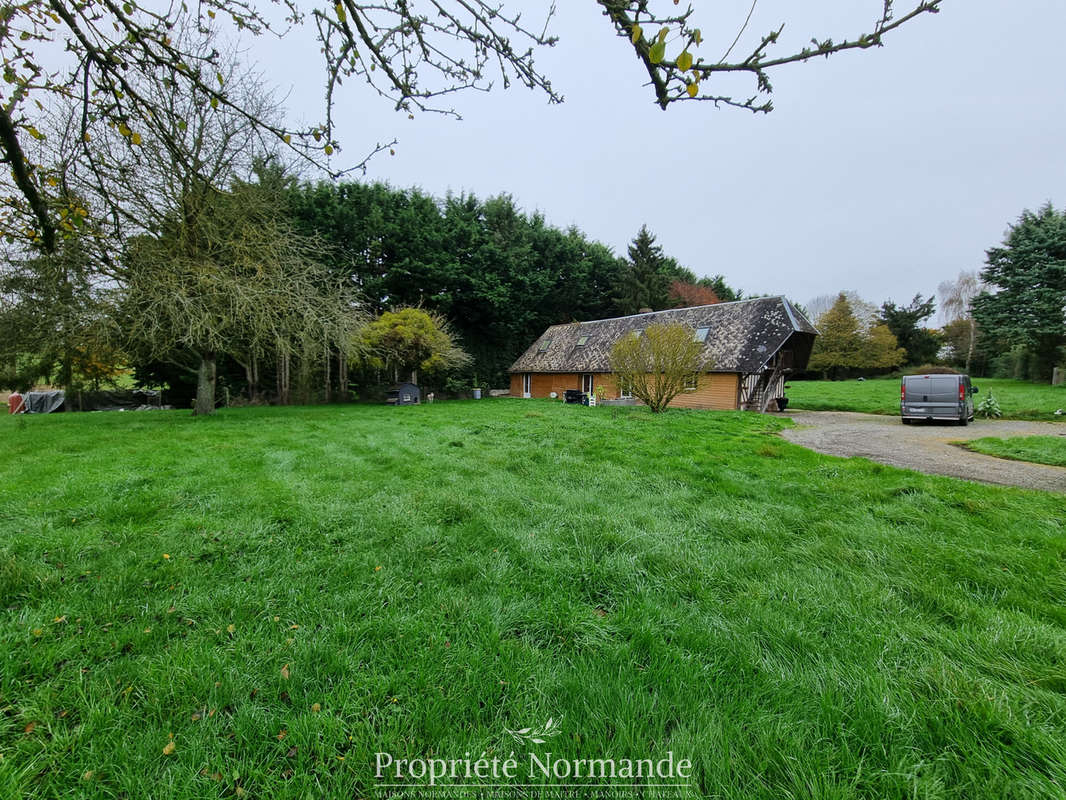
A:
{"points": [[544, 346], [582, 341], [701, 334]]}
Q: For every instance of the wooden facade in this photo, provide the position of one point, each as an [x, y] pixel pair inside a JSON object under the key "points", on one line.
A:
{"points": [[716, 390]]}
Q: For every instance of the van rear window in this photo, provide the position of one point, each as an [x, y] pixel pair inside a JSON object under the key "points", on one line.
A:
{"points": [[944, 385]]}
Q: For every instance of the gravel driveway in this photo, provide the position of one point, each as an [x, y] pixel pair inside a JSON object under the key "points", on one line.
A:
{"points": [[927, 446]]}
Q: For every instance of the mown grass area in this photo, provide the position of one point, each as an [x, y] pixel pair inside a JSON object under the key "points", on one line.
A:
{"points": [[1038, 449], [256, 604], [1018, 399]]}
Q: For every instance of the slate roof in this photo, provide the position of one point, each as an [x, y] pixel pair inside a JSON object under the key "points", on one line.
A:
{"points": [[742, 336]]}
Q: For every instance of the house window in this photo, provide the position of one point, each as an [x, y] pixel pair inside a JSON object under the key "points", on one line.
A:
{"points": [[582, 341], [586, 383], [625, 388], [692, 382], [701, 334], [544, 346], [527, 385]]}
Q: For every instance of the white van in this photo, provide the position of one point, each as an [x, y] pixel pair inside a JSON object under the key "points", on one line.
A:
{"points": [[936, 397]]}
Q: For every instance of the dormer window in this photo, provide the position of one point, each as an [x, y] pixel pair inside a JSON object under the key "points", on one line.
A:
{"points": [[701, 334]]}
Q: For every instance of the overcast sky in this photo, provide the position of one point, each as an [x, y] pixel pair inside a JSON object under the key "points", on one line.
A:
{"points": [[884, 171]]}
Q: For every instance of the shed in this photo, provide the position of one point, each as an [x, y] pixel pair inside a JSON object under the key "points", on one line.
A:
{"points": [[403, 394]]}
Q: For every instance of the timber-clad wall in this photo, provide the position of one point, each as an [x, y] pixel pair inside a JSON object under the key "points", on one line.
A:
{"points": [[717, 390]]}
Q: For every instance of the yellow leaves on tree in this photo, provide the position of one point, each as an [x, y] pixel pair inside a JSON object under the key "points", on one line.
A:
{"points": [[410, 339]]}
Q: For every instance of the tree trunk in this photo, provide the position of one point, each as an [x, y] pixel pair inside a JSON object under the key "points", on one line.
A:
{"points": [[328, 362], [251, 372], [973, 339], [205, 385], [342, 375], [283, 376]]}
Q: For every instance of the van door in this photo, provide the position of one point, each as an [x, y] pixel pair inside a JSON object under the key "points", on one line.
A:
{"points": [[932, 396]]}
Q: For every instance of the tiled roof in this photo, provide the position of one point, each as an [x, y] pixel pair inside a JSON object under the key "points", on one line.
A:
{"points": [[741, 337]]}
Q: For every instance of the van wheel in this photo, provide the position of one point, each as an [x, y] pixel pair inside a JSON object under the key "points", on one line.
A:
{"points": [[906, 421], [964, 422]]}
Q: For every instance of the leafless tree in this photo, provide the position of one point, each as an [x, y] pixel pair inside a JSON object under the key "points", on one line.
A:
{"points": [[416, 53], [955, 299], [658, 363], [865, 312]]}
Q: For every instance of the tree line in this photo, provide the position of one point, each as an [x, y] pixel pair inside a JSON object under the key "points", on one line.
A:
{"points": [[152, 221], [1006, 320], [289, 291]]}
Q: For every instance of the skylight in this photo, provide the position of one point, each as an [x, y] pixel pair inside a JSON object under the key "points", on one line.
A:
{"points": [[582, 341], [544, 346], [701, 334]]}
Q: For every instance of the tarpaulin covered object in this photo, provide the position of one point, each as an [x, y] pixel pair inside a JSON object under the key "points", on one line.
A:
{"points": [[116, 400], [43, 402]]}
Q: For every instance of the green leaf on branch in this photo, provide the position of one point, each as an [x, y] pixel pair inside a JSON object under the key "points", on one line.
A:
{"points": [[657, 52]]}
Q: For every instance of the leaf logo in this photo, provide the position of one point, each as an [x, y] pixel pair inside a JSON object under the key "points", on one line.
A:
{"points": [[535, 735]]}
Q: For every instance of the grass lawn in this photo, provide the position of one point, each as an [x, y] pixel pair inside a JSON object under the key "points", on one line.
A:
{"points": [[1018, 399], [256, 604], [1038, 449]]}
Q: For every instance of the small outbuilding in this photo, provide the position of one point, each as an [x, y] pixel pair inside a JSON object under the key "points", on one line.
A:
{"points": [[403, 394]]}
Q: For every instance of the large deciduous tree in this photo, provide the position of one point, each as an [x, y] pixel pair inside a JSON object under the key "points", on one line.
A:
{"points": [[1027, 274], [657, 363], [235, 279], [414, 54], [684, 294]]}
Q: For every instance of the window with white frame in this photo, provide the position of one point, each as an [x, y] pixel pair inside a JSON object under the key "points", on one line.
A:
{"points": [[692, 382], [625, 388]]}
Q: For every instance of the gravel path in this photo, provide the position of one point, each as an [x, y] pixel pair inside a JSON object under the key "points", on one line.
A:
{"points": [[927, 446]]}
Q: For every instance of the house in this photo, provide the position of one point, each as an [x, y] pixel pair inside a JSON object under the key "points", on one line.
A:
{"points": [[749, 346]]}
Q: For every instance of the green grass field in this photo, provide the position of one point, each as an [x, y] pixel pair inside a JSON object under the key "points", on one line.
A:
{"points": [[1038, 449], [1018, 399], [255, 604]]}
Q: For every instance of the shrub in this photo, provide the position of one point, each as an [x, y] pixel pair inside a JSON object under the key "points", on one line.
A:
{"points": [[989, 407]]}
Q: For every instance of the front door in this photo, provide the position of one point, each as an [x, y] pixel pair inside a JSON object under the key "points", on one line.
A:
{"points": [[586, 383], [527, 385]]}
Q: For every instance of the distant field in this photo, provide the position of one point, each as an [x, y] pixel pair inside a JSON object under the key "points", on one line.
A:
{"points": [[254, 605], [1038, 449], [1018, 399]]}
